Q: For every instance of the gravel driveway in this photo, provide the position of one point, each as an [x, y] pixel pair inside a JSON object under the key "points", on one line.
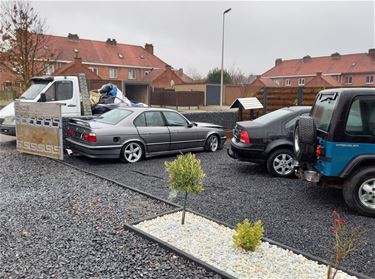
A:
{"points": [[56, 222], [294, 212]]}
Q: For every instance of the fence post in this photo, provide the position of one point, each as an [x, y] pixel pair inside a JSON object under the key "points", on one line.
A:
{"points": [[176, 97], [300, 96], [265, 99]]}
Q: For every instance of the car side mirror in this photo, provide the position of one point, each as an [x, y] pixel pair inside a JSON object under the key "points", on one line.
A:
{"points": [[42, 98], [190, 125]]}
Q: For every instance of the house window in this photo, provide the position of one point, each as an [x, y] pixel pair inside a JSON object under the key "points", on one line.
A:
{"points": [[131, 74], [288, 82], [301, 81], [147, 72], [94, 70], [277, 81], [50, 68], [112, 73], [348, 79], [370, 79]]}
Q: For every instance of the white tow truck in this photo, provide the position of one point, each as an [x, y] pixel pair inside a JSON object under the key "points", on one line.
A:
{"points": [[70, 91]]}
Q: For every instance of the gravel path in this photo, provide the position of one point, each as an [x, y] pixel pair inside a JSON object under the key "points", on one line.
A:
{"points": [[56, 222], [293, 212]]}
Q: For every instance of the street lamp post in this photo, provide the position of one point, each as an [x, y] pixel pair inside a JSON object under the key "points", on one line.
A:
{"points": [[222, 59]]}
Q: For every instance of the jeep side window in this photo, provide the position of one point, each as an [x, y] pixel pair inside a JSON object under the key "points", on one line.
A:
{"points": [[361, 118]]}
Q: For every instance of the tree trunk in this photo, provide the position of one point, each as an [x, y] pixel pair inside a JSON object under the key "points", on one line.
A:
{"points": [[184, 209]]}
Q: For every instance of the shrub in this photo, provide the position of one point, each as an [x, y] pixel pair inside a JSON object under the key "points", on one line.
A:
{"points": [[248, 236], [185, 175]]}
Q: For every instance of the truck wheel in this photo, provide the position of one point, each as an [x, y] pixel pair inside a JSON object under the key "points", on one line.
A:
{"points": [[304, 139], [359, 192], [131, 152], [281, 163]]}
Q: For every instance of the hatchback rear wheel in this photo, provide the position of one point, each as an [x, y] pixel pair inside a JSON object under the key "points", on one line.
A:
{"points": [[131, 152], [281, 163]]}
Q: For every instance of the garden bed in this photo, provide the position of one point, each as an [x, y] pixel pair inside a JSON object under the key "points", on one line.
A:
{"points": [[212, 243]]}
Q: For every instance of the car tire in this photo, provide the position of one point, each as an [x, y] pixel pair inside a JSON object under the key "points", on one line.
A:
{"points": [[280, 163], [132, 152], [359, 192], [212, 143], [304, 139]]}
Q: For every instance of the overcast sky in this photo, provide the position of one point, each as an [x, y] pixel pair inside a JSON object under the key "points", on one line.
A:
{"points": [[188, 34]]}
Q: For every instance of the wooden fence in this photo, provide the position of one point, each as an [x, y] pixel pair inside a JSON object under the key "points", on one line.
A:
{"points": [[177, 98], [273, 98]]}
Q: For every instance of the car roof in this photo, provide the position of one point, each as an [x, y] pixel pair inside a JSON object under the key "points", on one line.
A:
{"points": [[298, 108], [141, 109]]}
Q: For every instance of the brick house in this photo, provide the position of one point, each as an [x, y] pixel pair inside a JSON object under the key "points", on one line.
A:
{"points": [[336, 70]]}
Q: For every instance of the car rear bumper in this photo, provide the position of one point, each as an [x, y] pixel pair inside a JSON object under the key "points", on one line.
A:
{"points": [[104, 152], [8, 130], [246, 154]]}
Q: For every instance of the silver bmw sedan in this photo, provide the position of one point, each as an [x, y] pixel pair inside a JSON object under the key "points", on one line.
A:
{"points": [[132, 133]]}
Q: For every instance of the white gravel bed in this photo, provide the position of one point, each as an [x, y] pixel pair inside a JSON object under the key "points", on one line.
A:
{"points": [[212, 243]]}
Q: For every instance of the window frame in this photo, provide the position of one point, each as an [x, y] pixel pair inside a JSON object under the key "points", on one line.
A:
{"points": [[54, 88], [348, 80], [133, 76], [162, 117], [176, 113], [370, 79], [114, 71], [301, 81], [288, 82], [95, 70]]}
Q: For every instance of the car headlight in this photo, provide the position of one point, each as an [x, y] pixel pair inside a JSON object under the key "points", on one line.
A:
{"points": [[9, 120]]}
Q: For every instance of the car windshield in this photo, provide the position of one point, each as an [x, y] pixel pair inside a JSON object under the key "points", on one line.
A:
{"points": [[33, 91], [269, 117], [323, 110], [114, 116]]}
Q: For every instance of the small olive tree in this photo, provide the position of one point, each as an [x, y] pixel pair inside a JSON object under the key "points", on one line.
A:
{"points": [[185, 175]]}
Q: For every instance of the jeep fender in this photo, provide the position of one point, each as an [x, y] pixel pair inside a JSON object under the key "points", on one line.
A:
{"points": [[357, 162]]}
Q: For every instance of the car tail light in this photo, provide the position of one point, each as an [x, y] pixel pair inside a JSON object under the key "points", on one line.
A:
{"points": [[70, 132], [89, 137], [244, 137]]}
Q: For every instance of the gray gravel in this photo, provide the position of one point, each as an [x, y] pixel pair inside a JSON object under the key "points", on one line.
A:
{"points": [[58, 222], [294, 213]]}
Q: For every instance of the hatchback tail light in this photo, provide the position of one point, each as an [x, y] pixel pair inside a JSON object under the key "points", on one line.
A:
{"points": [[91, 137], [244, 137], [70, 132]]}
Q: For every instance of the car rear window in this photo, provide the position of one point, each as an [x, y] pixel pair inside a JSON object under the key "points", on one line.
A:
{"points": [[269, 117], [114, 116], [323, 110]]}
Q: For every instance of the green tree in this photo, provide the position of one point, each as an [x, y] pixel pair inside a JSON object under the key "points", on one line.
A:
{"points": [[185, 175], [23, 46], [214, 76]]}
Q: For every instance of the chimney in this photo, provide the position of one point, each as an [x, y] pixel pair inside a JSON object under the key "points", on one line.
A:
{"points": [[335, 55], [278, 61], [306, 58], [149, 48], [180, 72], [168, 67], [73, 36], [371, 52], [111, 42]]}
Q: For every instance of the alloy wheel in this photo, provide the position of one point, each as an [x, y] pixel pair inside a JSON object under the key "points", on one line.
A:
{"points": [[283, 164], [214, 143], [366, 193], [133, 152]]}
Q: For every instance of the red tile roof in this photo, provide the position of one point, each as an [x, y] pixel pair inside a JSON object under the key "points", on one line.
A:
{"points": [[75, 68], [103, 53], [350, 63]]}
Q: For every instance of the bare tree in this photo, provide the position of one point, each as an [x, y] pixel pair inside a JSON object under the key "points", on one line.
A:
{"points": [[194, 74], [239, 77], [23, 46]]}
